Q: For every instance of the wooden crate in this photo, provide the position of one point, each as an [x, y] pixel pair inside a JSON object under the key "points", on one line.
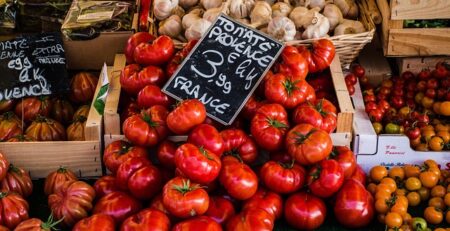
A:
{"points": [[342, 135], [399, 41], [82, 157], [416, 64]]}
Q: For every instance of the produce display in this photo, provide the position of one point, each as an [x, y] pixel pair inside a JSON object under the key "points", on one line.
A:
{"points": [[417, 105], [49, 118]]}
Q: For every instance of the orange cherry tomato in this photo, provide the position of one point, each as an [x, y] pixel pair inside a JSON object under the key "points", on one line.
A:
{"points": [[436, 143], [397, 173], [424, 193], [371, 187], [400, 192], [411, 171], [437, 202], [393, 220], [445, 135], [447, 199], [389, 182], [377, 173], [400, 206], [381, 206], [438, 191], [413, 198], [413, 183], [429, 179], [447, 216], [433, 216]]}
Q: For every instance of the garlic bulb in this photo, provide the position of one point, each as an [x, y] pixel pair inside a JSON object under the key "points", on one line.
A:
{"points": [[196, 30], [212, 14], [304, 3], [208, 4], [333, 14], [241, 8], [178, 10], [186, 4], [163, 8], [270, 2], [317, 3], [349, 27], [281, 9], [348, 8], [282, 28], [318, 28], [261, 14], [191, 17], [170, 26], [302, 17]]}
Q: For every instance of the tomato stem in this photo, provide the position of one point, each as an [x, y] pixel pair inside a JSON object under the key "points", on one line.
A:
{"points": [[300, 139], [14, 169], [185, 188], [61, 169], [234, 153], [289, 86], [275, 123], [148, 119], [49, 224], [3, 194], [205, 153]]}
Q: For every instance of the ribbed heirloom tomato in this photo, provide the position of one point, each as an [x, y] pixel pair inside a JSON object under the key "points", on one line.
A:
{"points": [[82, 87], [201, 223], [105, 185], [251, 219], [293, 63], [346, 159], [187, 115], [57, 178], [238, 178], [152, 95], [118, 205], [166, 154], [46, 129], [286, 90], [237, 143], [17, 180], [207, 136], [35, 224], [325, 178], [147, 219], [267, 200], [320, 113], [269, 126], [10, 126], [220, 209], [14, 209], [320, 55], [119, 151], [97, 222], [304, 211], [29, 108], [282, 177]]}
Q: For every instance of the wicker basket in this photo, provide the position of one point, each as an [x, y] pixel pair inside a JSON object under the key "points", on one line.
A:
{"points": [[349, 46]]}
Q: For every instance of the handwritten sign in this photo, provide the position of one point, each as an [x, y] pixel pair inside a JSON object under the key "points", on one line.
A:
{"points": [[224, 68], [32, 65]]}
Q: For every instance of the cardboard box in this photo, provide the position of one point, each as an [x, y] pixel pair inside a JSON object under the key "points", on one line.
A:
{"points": [[387, 150]]}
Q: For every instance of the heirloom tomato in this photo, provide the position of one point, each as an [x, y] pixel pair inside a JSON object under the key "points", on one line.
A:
{"points": [[184, 199], [46, 129], [251, 219], [105, 185], [166, 154], [152, 95], [320, 55], [187, 115], [4, 166], [75, 131], [207, 136], [151, 75], [82, 87], [267, 200], [118, 205], [346, 159], [237, 143], [282, 177], [253, 103], [133, 41], [157, 204], [293, 63], [354, 206], [17, 180], [147, 219], [97, 222], [320, 113], [197, 163], [140, 177], [307, 144], [128, 79], [201, 223], [31, 107], [35, 224], [269, 126], [83, 110], [131, 108], [71, 202], [325, 178], [220, 209], [158, 52], [286, 90], [14, 209], [119, 151], [238, 178], [178, 58], [10, 126], [6, 105], [305, 211], [62, 111], [148, 128], [57, 178], [359, 175]]}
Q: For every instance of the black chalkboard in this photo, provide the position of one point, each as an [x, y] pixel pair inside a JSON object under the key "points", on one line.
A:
{"points": [[224, 68], [32, 65]]}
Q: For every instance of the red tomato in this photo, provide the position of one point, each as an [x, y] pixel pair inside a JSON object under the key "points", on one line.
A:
{"points": [[128, 79], [71, 202], [237, 143], [201, 223], [119, 151], [282, 177], [56, 179], [140, 177], [147, 219], [269, 201], [62, 110], [4, 165], [359, 175], [320, 113], [151, 75], [320, 55], [105, 185], [17, 180], [269, 126], [166, 154], [197, 163], [346, 159], [251, 219], [308, 145], [325, 178], [147, 128], [187, 115], [118, 205], [220, 209], [46, 129], [358, 70], [10, 126], [156, 53], [30, 107], [133, 41], [82, 87], [305, 211], [293, 63], [14, 209], [286, 90], [354, 206], [207, 136], [6, 105], [35, 224], [157, 204], [152, 95], [185, 199], [97, 222], [178, 58], [253, 103], [376, 115], [238, 178]]}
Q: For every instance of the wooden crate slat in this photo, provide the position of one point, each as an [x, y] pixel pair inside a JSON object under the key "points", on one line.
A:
{"points": [[111, 117], [419, 42], [420, 9], [416, 64]]}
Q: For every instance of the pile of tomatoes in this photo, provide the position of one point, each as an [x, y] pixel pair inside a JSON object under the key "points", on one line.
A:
{"points": [[417, 106], [357, 72], [399, 190], [49, 118]]}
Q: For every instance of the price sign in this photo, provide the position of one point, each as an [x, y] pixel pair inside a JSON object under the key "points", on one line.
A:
{"points": [[224, 68]]}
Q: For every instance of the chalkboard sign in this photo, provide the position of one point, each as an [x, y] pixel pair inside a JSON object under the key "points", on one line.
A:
{"points": [[32, 65], [224, 68]]}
